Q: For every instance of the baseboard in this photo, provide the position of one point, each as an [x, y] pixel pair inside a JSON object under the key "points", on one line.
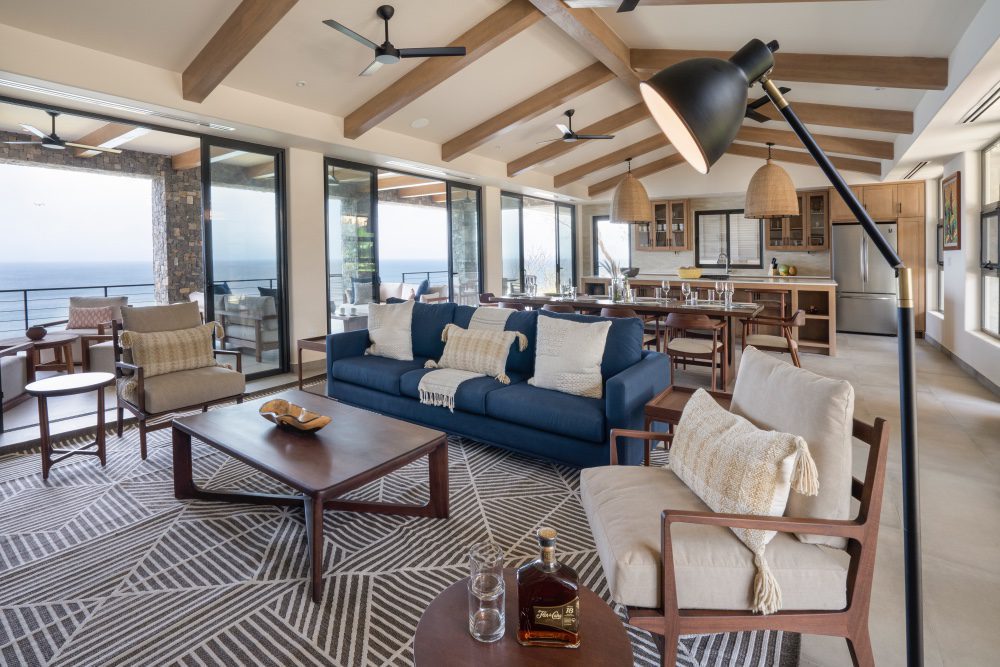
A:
{"points": [[979, 377]]}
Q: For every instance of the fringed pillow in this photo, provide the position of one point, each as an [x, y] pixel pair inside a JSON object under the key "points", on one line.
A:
{"points": [[736, 468], [478, 350]]}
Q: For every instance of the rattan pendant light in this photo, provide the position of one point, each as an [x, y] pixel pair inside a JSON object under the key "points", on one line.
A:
{"points": [[771, 193], [630, 203]]}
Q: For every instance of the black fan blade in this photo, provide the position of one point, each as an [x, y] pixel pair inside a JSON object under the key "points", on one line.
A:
{"points": [[341, 28], [595, 136], [757, 116], [627, 6], [432, 52]]}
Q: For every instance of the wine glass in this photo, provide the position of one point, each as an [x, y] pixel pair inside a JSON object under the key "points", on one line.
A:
{"points": [[665, 286], [729, 290], [686, 291], [719, 286]]}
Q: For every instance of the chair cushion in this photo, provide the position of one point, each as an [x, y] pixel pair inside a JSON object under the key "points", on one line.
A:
{"points": [[691, 345], [165, 393], [379, 373], [389, 327], [102, 357], [471, 394], [713, 569], [774, 394], [553, 411], [568, 356], [13, 375], [767, 340], [161, 318]]}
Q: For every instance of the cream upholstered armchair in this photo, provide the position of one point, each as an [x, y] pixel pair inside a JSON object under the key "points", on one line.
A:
{"points": [[822, 558], [17, 370], [249, 322], [149, 398], [93, 350]]}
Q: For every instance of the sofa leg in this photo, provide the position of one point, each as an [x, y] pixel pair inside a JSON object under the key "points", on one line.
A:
{"points": [[860, 646]]}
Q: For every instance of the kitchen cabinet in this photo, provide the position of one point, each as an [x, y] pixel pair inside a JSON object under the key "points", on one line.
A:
{"points": [[838, 209], [670, 229], [910, 199], [911, 248], [883, 201], [880, 201], [807, 231]]}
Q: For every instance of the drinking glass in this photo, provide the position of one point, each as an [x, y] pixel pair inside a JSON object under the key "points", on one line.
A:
{"points": [[711, 293], [658, 294], [729, 289], [686, 291], [572, 292], [487, 619]]}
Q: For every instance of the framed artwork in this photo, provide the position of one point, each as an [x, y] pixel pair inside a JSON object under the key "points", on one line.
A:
{"points": [[951, 197]]}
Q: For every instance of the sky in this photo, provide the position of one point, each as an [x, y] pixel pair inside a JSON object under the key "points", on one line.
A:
{"points": [[62, 215]]}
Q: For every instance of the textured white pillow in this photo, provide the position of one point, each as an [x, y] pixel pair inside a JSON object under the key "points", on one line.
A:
{"points": [[736, 468], [568, 356], [389, 327]]}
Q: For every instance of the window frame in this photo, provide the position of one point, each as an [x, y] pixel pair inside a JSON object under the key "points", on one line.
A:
{"points": [[987, 268], [595, 251], [556, 205], [727, 213]]}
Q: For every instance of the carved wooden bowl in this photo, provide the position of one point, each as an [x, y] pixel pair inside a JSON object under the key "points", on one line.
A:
{"points": [[291, 416]]}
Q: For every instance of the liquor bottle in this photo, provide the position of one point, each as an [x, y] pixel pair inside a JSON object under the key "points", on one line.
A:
{"points": [[548, 599]]}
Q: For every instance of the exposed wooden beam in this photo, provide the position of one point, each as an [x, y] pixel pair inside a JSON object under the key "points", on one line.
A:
{"points": [[186, 160], [423, 190], [245, 27], [858, 118], [795, 157], [635, 150], [482, 38], [546, 100], [110, 135], [882, 150], [612, 123], [581, 4], [595, 36], [396, 182], [887, 71], [653, 167]]}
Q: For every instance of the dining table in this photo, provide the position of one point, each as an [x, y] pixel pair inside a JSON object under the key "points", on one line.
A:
{"points": [[651, 306]]}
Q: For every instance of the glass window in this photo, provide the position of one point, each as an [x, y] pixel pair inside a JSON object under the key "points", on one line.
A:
{"points": [[990, 260], [465, 248], [350, 235], [991, 174], [940, 267], [611, 244], [537, 237], [510, 242], [718, 232]]}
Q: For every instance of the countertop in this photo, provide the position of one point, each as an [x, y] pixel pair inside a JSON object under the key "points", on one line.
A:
{"points": [[799, 281]]}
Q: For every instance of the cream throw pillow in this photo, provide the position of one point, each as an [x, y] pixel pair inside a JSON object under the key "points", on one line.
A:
{"points": [[164, 352], [736, 468], [568, 356], [478, 350], [389, 327]]}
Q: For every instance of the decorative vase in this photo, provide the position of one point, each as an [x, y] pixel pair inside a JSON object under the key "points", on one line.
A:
{"points": [[36, 332]]}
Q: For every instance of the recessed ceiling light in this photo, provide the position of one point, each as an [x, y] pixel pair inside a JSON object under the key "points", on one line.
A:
{"points": [[419, 123], [300, 83]]}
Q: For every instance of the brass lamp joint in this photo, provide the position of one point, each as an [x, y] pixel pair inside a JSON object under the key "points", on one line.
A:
{"points": [[905, 281], [774, 93]]}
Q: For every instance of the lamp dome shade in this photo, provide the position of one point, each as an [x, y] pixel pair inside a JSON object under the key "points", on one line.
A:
{"points": [[700, 103], [630, 203], [771, 194]]}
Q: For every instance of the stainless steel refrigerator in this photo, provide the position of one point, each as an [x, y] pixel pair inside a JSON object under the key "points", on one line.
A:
{"points": [[866, 285]]}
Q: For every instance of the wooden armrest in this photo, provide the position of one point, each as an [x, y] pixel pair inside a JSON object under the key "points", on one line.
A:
{"points": [[782, 524], [232, 353], [52, 324], [14, 349], [87, 339], [645, 436]]}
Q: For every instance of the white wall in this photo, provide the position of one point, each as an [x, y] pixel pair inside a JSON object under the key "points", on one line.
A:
{"points": [[492, 262], [957, 329]]}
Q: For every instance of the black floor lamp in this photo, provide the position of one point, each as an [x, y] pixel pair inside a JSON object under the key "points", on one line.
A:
{"points": [[700, 105]]}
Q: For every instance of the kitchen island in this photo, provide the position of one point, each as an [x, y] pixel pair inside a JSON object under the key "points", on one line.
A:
{"points": [[816, 295]]}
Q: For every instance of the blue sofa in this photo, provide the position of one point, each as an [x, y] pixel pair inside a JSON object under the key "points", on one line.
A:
{"points": [[541, 422]]}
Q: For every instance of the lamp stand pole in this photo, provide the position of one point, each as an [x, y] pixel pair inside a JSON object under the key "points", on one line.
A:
{"points": [[907, 380]]}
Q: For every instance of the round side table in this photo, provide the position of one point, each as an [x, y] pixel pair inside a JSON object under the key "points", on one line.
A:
{"points": [[443, 638], [67, 385], [60, 343]]}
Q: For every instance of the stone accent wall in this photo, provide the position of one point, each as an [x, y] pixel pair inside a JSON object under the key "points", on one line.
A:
{"points": [[176, 207]]}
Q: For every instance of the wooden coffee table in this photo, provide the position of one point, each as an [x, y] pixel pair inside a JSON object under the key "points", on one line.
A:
{"points": [[355, 448], [443, 638], [60, 343]]}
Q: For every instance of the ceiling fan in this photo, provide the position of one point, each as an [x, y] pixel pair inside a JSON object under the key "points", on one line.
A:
{"points": [[54, 141], [568, 135], [627, 6], [386, 53]]}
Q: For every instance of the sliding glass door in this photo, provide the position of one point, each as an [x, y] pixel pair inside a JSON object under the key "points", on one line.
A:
{"points": [[243, 190], [352, 265], [466, 245], [538, 240]]}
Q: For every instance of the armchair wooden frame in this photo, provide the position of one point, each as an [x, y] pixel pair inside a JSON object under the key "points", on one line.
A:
{"points": [[11, 351], [851, 623], [784, 324], [680, 323], [150, 421]]}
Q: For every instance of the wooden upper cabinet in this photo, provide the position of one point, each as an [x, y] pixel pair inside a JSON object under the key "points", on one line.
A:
{"points": [[838, 209], [883, 201], [911, 246], [670, 229], [806, 231], [880, 201], [910, 199]]}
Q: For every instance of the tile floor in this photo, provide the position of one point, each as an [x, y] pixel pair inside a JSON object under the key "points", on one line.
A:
{"points": [[959, 438]]}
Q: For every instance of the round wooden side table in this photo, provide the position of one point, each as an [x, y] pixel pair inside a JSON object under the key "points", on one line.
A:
{"points": [[443, 638], [60, 343], [67, 385]]}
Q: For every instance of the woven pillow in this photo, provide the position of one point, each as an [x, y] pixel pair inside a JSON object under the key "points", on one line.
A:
{"points": [[389, 328], [164, 352], [478, 350], [568, 356], [89, 318], [736, 468]]}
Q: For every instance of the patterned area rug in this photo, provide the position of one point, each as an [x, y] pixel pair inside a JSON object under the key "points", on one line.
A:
{"points": [[105, 567]]}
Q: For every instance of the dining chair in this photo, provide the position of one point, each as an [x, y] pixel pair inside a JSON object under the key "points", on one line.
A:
{"points": [[486, 299], [558, 308], [697, 351], [649, 338], [781, 343]]}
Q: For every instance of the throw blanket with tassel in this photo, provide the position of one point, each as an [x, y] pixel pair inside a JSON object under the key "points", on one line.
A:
{"points": [[479, 351]]}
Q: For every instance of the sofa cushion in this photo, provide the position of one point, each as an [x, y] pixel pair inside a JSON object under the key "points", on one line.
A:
{"points": [[713, 569], [520, 361], [379, 373], [623, 347], [165, 393], [547, 410], [568, 356], [389, 329], [776, 395], [471, 395], [429, 320]]}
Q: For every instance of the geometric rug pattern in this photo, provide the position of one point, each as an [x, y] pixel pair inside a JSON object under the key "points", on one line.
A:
{"points": [[102, 566]]}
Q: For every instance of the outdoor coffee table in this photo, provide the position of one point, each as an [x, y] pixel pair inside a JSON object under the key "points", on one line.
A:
{"points": [[443, 640], [60, 343], [356, 448]]}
